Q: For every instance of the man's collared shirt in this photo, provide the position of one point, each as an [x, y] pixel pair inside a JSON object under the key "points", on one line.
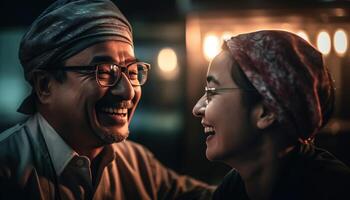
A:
{"points": [[60, 152], [126, 171], [73, 171]]}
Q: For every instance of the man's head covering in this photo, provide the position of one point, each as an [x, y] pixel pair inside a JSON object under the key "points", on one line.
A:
{"points": [[66, 28], [289, 74]]}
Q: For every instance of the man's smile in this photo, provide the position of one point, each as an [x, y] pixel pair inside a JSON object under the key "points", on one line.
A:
{"points": [[113, 113]]}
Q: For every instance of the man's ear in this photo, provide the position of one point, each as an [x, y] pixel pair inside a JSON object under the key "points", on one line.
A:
{"points": [[42, 83], [263, 116]]}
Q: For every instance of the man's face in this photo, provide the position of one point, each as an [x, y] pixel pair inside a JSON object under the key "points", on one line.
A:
{"points": [[82, 108]]}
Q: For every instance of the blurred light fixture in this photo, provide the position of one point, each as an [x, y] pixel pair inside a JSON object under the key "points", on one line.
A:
{"points": [[340, 42], [167, 60], [211, 46], [324, 42], [303, 35]]}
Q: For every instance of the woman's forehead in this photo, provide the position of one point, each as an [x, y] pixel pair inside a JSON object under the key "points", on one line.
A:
{"points": [[222, 60], [220, 68]]}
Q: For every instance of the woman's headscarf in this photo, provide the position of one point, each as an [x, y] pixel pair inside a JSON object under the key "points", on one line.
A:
{"points": [[290, 75]]}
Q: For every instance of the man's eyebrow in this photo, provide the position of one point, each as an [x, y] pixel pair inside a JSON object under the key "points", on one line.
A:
{"points": [[212, 79], [110, 59]]}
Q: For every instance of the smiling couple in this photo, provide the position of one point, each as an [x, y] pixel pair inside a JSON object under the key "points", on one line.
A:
{"points": [[267, 95]]}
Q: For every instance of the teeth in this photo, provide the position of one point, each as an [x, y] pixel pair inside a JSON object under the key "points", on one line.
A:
{"points": [[208, 129], [121, 111]]}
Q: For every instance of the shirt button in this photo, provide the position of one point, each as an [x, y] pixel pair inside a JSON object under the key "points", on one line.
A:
{"points": [[80, 163]]}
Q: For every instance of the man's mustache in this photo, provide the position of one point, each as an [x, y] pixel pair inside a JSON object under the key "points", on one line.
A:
{"points": [[120, 104]]}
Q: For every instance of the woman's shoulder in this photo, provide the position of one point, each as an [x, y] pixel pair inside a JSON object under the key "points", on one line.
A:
{"points": [[324, 174], [231, 187], [320, 162]]}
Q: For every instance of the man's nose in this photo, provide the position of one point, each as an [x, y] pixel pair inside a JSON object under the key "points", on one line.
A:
{"points": [[199, 108], [123, 88]]}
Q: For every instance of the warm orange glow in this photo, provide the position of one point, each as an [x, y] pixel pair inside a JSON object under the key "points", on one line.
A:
{"points": [[211, 46], [168, 64], [303, 35], [340, 42], [324, 42], [226, 35], [167, 60]]}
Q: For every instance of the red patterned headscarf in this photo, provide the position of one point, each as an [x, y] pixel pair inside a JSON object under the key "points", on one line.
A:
{"points": [[290, 76]]}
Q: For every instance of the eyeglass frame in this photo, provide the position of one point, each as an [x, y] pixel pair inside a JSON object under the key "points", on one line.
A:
{"points": [[217, 90], [123, 69]]}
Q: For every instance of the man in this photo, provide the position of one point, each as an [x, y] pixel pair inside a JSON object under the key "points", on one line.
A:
{"points": [[78, 57]]}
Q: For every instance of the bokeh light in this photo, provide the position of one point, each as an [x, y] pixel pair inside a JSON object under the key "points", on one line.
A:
{"points": [[324, 42], [211, 46], [340, 42]]}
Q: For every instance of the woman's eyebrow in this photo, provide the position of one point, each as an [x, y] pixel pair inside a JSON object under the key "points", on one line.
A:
{"points": [[211, 78]]}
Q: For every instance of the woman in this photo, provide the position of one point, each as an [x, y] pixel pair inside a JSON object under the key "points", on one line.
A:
{"points": [[268, 94]]}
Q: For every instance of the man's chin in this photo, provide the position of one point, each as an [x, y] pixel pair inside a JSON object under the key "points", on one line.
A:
{"points": [[113, 135], [108, 130]]}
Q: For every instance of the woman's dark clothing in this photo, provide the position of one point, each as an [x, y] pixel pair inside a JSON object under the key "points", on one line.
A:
{"points": [[231, 187], [307, 173]]}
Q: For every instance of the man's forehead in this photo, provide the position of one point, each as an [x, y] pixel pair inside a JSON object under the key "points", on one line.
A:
{"points": [[109, 51]]}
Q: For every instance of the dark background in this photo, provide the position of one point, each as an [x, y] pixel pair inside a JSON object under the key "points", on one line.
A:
{"points": [[163, 121]]}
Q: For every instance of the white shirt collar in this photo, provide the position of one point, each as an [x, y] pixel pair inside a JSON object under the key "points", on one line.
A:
{"points": [[60, 152]]}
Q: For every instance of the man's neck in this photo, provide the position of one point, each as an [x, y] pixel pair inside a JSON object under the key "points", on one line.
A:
{"points": [[83, 143], [82, 148]]}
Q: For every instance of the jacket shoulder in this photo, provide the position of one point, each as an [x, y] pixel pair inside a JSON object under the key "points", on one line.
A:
{"points": [[11, 131]]}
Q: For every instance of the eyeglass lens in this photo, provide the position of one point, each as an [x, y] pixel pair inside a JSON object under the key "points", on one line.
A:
{"points": [[109, 74]]}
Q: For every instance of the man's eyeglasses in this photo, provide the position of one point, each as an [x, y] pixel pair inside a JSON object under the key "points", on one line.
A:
{"points": [[107, 75]]}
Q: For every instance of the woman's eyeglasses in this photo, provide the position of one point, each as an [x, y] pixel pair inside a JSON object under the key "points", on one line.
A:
{"points": [[211, 91]]}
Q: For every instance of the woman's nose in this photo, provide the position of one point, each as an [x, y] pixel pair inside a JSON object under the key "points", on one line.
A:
{"points": [[199, 108]]}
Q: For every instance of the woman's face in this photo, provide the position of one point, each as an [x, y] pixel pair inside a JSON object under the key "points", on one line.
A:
{"points": [[228, 123]]}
